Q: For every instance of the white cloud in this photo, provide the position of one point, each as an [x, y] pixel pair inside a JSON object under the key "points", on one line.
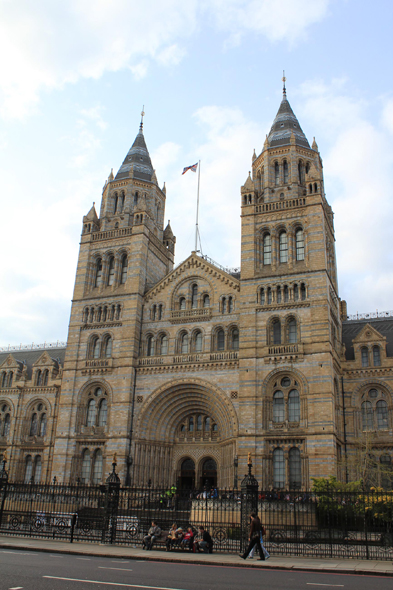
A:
{"points": [[49, 44]]}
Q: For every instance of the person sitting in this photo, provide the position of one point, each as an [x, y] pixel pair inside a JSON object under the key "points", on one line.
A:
{"points": [[204, 541], [175, 535], [188, 539], [154, 532]]}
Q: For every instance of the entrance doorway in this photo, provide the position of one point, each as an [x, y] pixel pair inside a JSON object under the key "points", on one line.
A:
{"points": [[187, 475], [209, 474]]}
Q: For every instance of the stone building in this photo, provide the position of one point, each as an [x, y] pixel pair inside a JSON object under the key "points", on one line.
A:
{"points": [[182, 371]]}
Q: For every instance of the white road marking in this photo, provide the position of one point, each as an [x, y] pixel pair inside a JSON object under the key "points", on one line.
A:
{"points": [[110, 583], [330, 585], [119, 561], [16, 552], [16, 588], [59, 556], [120, 569], [83, 558]]}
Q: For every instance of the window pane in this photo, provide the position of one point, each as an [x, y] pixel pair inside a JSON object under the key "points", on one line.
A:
{"points": [[86, 467], [276, 173], [33, 425], [295, 292], [230, 305], [376, 357], [184, 344], [164, 345], [28, 469], [277, 332], [103, 413], [91, 413], [292, 331], [267, 249], [149, 347], [278, 407], [285, 172], [278, 294], [283, 247], [108, 348], [182, 303], [198, 342], [278, 468], [294, 406], [235, 339], [38, 469], [269, 295], [124, 267], [199, 422], [194, 296], [206, 301], [286, 294], [295, 469], [98, 273], [97, 469], [382, 415], [43, 425], [191, 425], [367, 416], [299, 245], [364, 357], [220, 340], [262, 296], [207, 424], [96, 348], [111, 271]]}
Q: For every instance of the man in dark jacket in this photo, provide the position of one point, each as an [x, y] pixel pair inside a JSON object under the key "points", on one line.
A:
{"points": [[255, 531], [205, 541], [154, 532]]}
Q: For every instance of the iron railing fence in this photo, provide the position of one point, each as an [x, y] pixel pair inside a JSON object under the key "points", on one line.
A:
{"points": [[324, 524]]}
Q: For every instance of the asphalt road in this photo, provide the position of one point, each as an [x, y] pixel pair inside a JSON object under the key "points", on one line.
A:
{"points": [[24, 570]]}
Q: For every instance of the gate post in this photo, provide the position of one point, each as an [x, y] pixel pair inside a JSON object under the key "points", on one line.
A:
{"points": [[3, 486], [112, 493], [249, 503]]}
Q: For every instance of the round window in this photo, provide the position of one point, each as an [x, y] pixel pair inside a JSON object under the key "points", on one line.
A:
{"points": [[285, 382], [373, 393]]}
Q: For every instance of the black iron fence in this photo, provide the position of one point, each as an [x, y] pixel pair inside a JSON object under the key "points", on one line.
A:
{"points": [[327, 524]]}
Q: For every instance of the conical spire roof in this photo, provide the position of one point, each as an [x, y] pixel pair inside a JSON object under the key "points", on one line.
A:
{"points": [[283, 125], [138, 157]]}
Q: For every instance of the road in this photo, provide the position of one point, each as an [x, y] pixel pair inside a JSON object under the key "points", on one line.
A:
{"points": [[24, 570]]}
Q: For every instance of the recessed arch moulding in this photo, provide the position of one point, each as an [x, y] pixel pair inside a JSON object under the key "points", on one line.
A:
{"points": [[157, 449]]}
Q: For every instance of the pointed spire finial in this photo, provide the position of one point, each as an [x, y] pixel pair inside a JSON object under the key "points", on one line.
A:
{"points": [[142, 115], [284, 90]]}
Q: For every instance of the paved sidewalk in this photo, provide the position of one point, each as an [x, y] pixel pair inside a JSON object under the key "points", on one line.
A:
{"points": [[363, 567]]}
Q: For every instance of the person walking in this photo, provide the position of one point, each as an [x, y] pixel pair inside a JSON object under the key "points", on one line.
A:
{"points": [[255, 532]]}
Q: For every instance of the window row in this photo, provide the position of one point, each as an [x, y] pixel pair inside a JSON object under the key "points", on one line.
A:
{"points": [[102, 313], [286, 332], [41, 377], [6, 378], [198, 423], [118, 202], [287, 468], [38, 421], [110, 271], [286, 407], [187, 343], [100, 347], [5, 420], [282, 294], [283, 248], [97, 409], [368, 354], [156, 312], [197, 299]]}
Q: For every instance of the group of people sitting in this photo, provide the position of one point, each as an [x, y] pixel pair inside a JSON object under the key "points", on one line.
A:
{"points": [[179, 538]]}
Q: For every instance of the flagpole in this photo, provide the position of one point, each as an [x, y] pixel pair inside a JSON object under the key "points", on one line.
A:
{"points": [[197, 211]]}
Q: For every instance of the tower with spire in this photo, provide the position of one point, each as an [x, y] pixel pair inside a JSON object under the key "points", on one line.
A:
{"points": [[291, 318], [123, 252]]}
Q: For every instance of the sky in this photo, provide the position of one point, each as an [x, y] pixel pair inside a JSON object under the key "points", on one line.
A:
{"points": [[75, 75]]}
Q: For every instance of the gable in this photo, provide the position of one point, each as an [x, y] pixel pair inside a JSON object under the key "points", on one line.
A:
{"points": [[11, 363], [368, 334]]}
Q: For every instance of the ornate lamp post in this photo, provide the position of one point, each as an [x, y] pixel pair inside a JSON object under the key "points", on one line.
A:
{"points": [[112, 489], [3, 485], [249, 502]]}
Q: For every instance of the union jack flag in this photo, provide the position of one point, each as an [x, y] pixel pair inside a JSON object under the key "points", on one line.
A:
{"points": [[193, 168]]}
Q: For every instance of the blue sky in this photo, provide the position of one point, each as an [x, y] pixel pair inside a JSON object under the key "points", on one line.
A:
{"points": [[72, 84]]}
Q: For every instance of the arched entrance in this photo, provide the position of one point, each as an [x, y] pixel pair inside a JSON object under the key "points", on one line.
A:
{"points": [[209, 473], [187, 475]]}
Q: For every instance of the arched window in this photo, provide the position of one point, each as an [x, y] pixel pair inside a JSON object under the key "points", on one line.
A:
{"points": [[6, 425], [262, 296], [364, 354], [295, 292], [230, 304], [37, 469], [86, 466], [115, 199], [294, 406], [267, 249], [223, 305], [103, 413], [285, 172], [269, 295], [376, 356], [367, 416], [286, 294], [108, 347], [33, 425], [118, 311], [206, 301], [28, 469], [164, 345], [278, 407], [194, 296], [149, 346], [382, 415], [198, 342], [38, 378], [191, 424], [43, 425], [10, 378], [91, 413], [235, 339], [45, 377], [315, 187], [159, 314], [184, 343], [277, 332], [302, 291], [279, 297], [295, 469], [301, 172], [97, 467], [199, 422], [292, 331], [207, 424], [98, 278], [278, 469], [121, 202], [283, 247], [153, 312], [124, 268], [220, 340], [111, 271], [3, 379], [299, 244], [182, 303], [276, 173]]}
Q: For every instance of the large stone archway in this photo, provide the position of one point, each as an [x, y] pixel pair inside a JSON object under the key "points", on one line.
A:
{"points": [[163, 439]]}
